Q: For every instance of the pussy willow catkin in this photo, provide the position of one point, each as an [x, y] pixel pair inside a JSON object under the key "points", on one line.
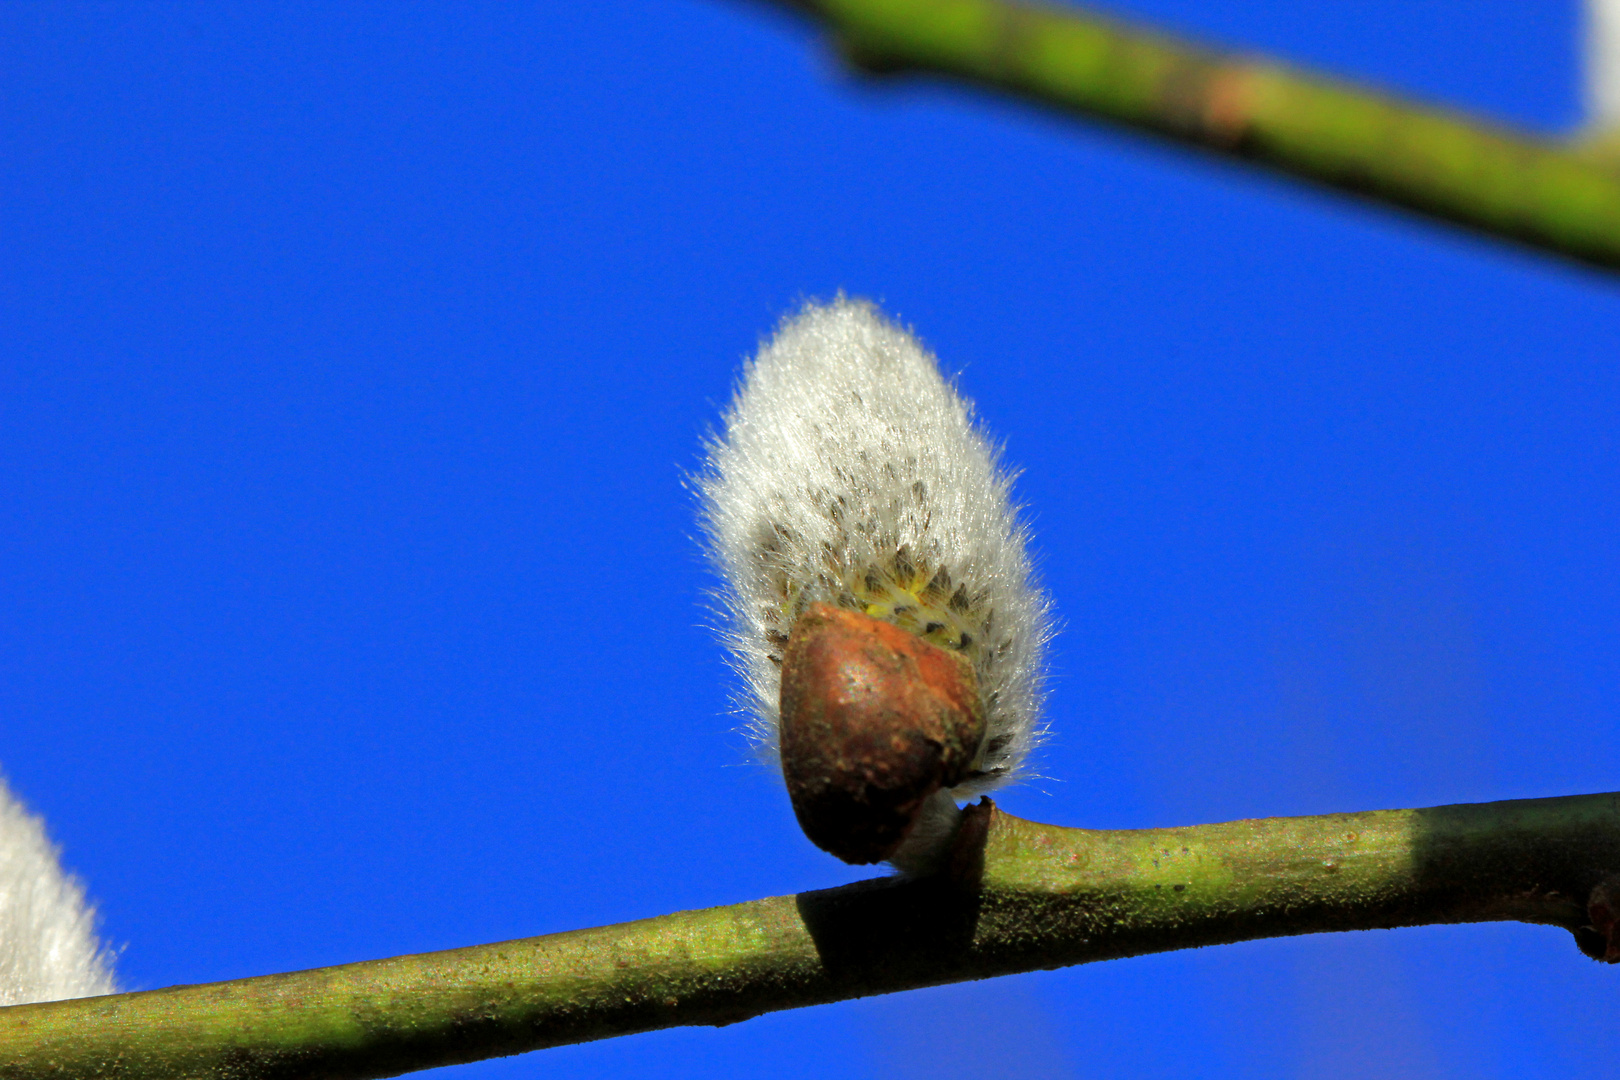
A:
{"points": [[48, 946], [851, 474]]}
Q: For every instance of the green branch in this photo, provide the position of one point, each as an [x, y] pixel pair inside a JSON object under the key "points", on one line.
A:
{"points": [[1018, 896], [1435, 161]]}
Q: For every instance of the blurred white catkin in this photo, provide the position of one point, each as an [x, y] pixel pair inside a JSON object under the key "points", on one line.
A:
{"points": [[1602, 49], [48, 946], [850, 472]]}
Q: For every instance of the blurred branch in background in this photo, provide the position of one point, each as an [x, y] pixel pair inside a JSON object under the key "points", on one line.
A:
{"points": [[1563, 198], [1019, 896]]}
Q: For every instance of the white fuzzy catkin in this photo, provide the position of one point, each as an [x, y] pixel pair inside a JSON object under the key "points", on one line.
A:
{"points": [[48, 947], [851, 472], [1603, 63]]}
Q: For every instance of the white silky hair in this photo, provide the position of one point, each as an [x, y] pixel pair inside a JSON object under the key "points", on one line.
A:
{"points": [[1602, 34], [845, 449], [48, 946]]}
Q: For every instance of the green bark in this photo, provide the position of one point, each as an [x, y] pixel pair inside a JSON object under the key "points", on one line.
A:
{"points": [[1017, 896], [1431, 160]]}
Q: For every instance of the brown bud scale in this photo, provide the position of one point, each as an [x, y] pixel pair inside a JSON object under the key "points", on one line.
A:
{"points": [[874, 720]]}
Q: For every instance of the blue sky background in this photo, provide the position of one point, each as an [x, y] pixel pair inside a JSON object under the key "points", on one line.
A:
{"points": [[351, 356]]}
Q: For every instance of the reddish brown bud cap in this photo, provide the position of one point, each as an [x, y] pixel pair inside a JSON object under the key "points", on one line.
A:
{"points": [[874, 720]]}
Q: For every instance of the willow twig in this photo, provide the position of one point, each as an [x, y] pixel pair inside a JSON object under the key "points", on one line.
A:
{"points": [[1018, 896], [1442, 163]]}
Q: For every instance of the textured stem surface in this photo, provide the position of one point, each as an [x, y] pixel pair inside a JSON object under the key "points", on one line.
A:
{"points": [[1018, 896], [1435, 161]]}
